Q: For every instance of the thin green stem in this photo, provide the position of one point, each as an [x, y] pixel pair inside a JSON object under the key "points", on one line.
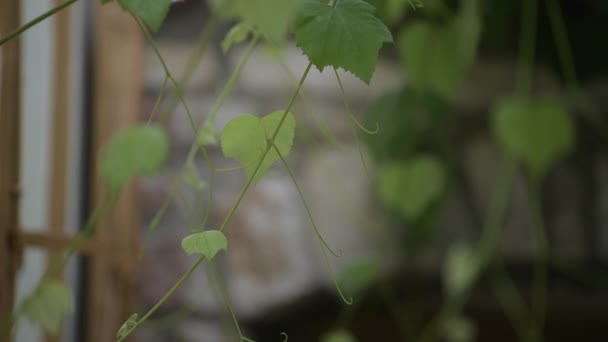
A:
{"points": [[268, 147], [176, 85], [158, 100], [564, 51], [201, 227], [163, 299], [305, 204], [325, 130], [227, 301], [354, 121], [35, 21], [322, 242], [229, 169], [527, 39], [539, 281]]}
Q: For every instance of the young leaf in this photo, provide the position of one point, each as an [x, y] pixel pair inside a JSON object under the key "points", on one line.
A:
{"points": [[537, 133], [413, 186], [460, 270], [135, 151], [207, 135], [245, 138], [271, 18], [126, 326], [339, 335], [347, 36], [236, 35], [152, 13], [207, 243], [358, 276], [47, 305], [190, 177]]}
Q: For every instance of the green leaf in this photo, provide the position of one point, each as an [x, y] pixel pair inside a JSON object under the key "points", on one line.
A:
{"points": [[358, 276], [338, 335], [140, 150], [207, 136], [537, 132], [126, 326], [152, 13], [48, 304], [461, 269], [271, 18], [207, 243], [411, 187], [236, 35], [245, 138], [437, 58], [346, 36]]}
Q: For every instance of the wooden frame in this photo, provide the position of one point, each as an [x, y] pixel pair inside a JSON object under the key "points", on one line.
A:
{"points": [[117, 55]]}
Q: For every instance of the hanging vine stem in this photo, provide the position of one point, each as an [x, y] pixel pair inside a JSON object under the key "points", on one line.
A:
{"points": [[486, 247], [564, 50], [219, 101], [228, 301], [322, 241], [158, 101], [540, 278], [353, 122], [228, 217], [527, 39], [35, 21]]}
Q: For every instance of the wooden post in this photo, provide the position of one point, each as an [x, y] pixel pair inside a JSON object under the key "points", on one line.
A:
{"points": [[117, 63], [10, 86]]}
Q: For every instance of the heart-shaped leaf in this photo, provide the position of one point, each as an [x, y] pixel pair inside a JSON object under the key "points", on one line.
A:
{"points": [[437, 58], [246, 137], [48, 304], [346, 36], [461, 269], [207, 243], [152, 13], [537, 132], [135, 151], [411, 187]]}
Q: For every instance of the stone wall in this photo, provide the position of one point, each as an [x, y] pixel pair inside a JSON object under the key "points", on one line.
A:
{"points": [[274, 257]]}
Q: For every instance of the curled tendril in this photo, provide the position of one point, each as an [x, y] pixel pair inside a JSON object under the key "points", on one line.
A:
{"points": [[285, 337]]}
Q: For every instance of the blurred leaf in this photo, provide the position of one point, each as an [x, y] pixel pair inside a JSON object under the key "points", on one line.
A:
{"points": [[459, 329], [48, 304], [402, 116], [346, 36], [437, 57], [207, 243], [135, 151], [271, 18], [236, 35], [539, 133], [245, 138], [152, 13], [338, 335], [126, 326], [358, 275], [411, 187], [461, 269]]}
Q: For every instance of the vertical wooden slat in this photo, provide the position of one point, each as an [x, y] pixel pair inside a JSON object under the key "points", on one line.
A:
{"points": [[118, 53], [9, 155], [59, 137]]}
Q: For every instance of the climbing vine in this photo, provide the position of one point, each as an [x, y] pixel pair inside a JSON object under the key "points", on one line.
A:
{"points": [[534, 133]]}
